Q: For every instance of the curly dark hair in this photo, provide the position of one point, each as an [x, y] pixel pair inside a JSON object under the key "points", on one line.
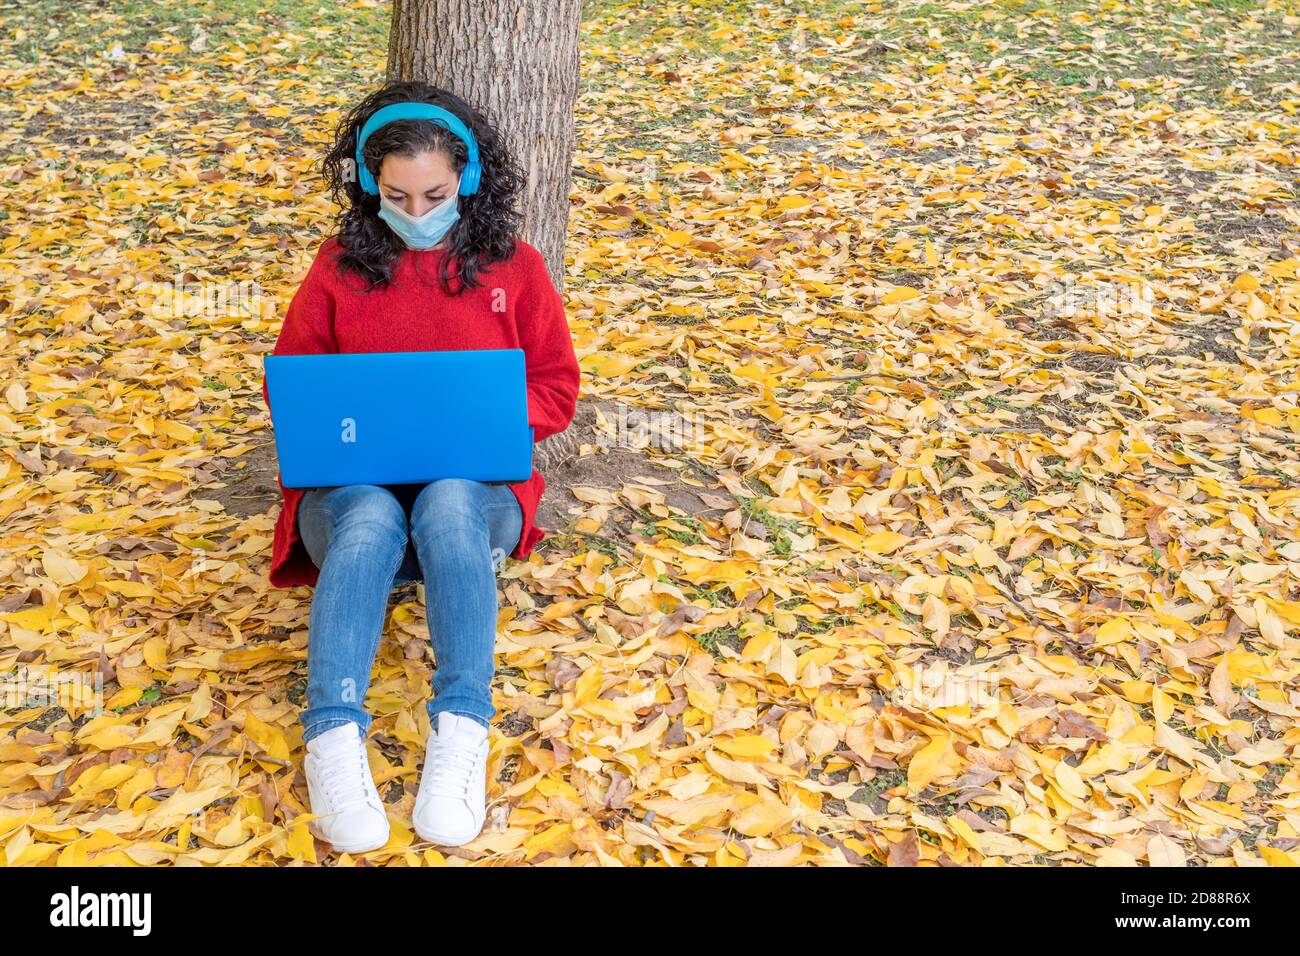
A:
{"points": [[489, 220]]}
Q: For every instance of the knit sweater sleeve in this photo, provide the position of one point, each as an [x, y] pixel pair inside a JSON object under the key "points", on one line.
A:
{"points": [[551, 365], [308, 327]]}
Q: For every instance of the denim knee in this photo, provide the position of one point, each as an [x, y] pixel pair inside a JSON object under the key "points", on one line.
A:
{"points": [[366, 514], [445, 505]]}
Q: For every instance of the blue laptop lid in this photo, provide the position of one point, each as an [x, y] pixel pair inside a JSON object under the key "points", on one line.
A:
{"points": [[399, 417]]}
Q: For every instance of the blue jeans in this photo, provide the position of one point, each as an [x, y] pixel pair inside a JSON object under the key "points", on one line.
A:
{"points": [[460, 533]]}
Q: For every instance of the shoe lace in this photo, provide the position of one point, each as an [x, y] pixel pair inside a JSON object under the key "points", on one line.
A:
{"points": [[451, 768], [343, 775]]}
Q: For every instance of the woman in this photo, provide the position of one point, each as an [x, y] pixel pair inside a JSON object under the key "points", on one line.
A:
{"points": [[426, 258]]}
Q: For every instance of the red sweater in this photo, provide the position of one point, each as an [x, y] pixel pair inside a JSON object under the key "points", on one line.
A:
{"points": [[515, 306]]}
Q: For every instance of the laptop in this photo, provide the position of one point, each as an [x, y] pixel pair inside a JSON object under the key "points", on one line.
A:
{"points": [[384, 418]]}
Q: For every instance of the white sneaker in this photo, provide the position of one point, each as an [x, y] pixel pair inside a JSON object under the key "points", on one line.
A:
{"points": [[342, 791], [449, 808]]}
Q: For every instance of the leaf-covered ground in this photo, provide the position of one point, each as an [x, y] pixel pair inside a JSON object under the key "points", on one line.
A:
{"points": [[982, 544]]}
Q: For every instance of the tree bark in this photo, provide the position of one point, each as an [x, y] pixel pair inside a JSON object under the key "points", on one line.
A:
{"points": [[518, 61]]}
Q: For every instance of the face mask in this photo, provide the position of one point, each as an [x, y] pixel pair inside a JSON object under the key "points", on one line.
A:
{"points": [[420, 232]]}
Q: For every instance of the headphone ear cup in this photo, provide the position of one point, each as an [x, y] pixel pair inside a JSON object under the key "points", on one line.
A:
{"points": [[365, 180], [469, 179]]}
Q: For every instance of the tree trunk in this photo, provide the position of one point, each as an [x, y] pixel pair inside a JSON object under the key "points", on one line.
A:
{"points": [[518, 61]]}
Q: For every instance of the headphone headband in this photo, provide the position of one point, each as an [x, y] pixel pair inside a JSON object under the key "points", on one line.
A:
{"points": [[469, 177]]}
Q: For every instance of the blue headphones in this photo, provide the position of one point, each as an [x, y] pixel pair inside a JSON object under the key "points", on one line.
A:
{"points": [[469, 177]]}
